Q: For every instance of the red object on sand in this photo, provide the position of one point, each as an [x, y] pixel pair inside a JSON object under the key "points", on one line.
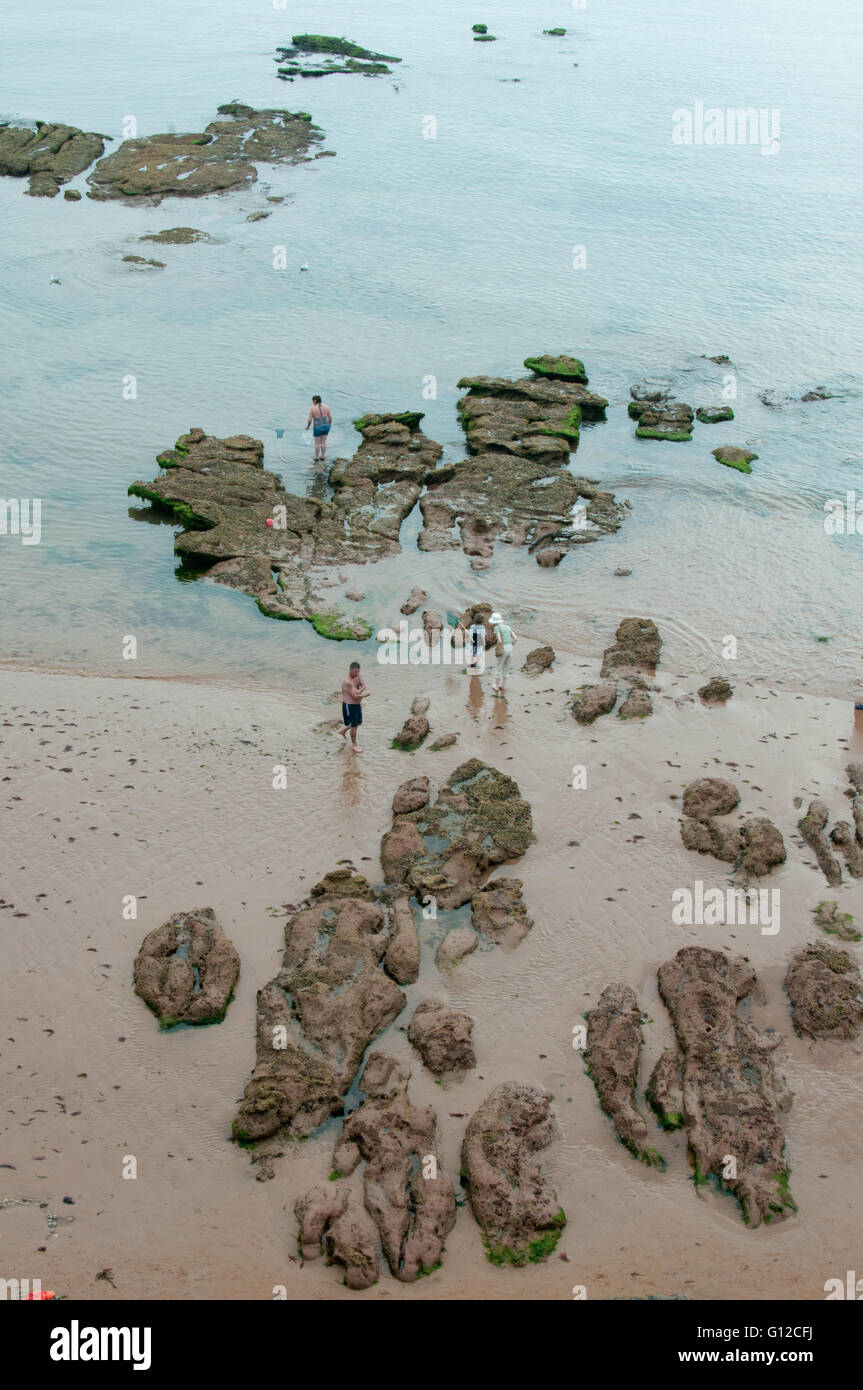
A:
{"points": [[46, 1294], [269, 521]]}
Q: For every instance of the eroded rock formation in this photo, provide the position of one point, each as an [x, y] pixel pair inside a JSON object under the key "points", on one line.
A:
{"points": [[515, 1206], [318, 1016], [729, 1091], [186, 969], [330, 1225], [826, 992], [409, 1198], [49, 153], [612, 1056], [442, 1037]]}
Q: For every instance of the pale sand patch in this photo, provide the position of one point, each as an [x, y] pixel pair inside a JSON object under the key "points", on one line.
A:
{"points": [[194, 821]]}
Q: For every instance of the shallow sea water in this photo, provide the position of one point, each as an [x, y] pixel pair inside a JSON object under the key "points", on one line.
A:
{"points": [[441, 257]]}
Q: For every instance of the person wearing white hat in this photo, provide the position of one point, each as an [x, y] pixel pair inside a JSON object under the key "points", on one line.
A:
{"points": [[503, 640]]}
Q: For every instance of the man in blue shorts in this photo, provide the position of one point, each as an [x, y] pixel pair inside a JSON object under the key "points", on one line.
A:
{"points": [[353, 691]]}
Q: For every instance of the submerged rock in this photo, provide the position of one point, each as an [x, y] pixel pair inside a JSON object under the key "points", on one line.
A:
{"points": [[142, 260], [178, 236], [538, 661], [186, 969], [710, 796], [51, 154], [224, 498], [442, 1037], [731, 1094], [611, 1056], [411, 1202], [330, 1225], [662, 419], [515, 1206], [446, 850], [741, 459], [826, 992], [636, 649], [836, 923], [590, 701], [716, 691], [415, 599], [306, 46], [498, 912], [318, 1016]]}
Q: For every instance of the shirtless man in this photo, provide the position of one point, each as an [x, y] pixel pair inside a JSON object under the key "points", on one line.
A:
{"points": [[353, 691]]}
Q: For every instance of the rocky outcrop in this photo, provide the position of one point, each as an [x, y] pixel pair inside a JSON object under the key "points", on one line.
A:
{"points": [[731, 1093], [716, 691], [498, 913], [635, 651], [661, 418], [557, 368], [49, 153], [515, 488], [611, 1056], [826, 992], [402, 958], [315, 55], [590, 701], [709, 796], [457, 944], [221, 157], [410, 1200], [442, 1037], [637, 705], [836, 923], [538, 661], [714, 414], [442, 742], [812, 827], [186, 969], [754, 846], [178, 236], [412, 733], [415, 599], [447, 849], [318, 1016], [254, 536], [732, 457], [412, 795], [330, 1225], [515, 1206]]}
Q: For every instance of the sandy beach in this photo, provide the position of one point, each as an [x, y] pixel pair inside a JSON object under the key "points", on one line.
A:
{"points": [[163, 790]]}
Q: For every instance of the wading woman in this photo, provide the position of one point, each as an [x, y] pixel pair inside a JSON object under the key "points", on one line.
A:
{"points": [[319, 422]]}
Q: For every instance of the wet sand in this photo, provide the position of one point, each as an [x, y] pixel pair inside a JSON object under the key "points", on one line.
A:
{"points": [[163, 789]]}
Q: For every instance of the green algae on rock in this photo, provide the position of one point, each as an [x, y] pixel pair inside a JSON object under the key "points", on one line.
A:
{"points": [[559, 368], [826, 992], [514, 1204], [316, 1018], [186, 970], [177, 236], [714, 414], [220, 158], [732, 457], [357, 59], [143, 260], [515, 487], [611, 1057], [448, 849], [662, 419], [724, 1082], [219, 490], [50, 153]]}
